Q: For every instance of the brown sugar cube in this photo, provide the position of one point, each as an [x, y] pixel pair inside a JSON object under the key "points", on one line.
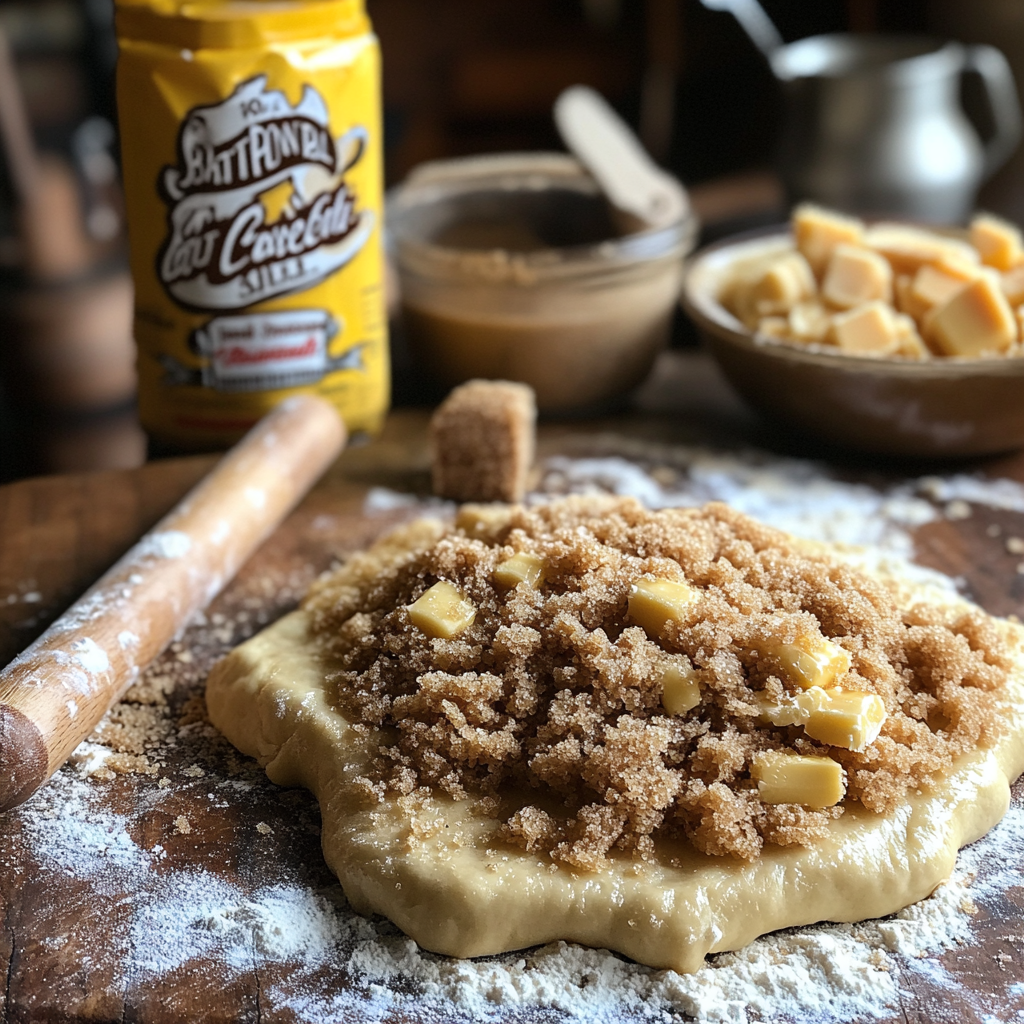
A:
{"points": [[483, 440]]}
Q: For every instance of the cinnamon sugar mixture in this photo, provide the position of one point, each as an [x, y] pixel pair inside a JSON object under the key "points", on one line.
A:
{"points": [[547, 709]]}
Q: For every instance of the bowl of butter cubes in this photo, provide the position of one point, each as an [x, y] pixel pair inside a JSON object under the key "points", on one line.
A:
{"points": [[883, 337]]}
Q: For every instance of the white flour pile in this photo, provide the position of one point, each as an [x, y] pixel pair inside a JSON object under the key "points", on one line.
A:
{"points": [[184, 919]]}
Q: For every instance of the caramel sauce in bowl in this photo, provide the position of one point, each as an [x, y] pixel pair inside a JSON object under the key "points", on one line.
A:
{"points": [[945, 407], [515, 267]]}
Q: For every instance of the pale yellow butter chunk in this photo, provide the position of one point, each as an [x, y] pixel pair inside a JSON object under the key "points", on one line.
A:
{"points": [[652, 603], [1012, 283], [775, 327], [818, 232], [856, 275], [483, 522], [998, 243], [977, 319], [814, 782], [442, 611], [910, 343], [810, 661], [520, 568], [868, 330], [843, 718], [786, 281], [936, 283], [907, 248], [680, 690], [907, 301], [810, 321]]}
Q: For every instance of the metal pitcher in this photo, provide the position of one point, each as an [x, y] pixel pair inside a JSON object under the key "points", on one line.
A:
{"points": [[874, 123]]}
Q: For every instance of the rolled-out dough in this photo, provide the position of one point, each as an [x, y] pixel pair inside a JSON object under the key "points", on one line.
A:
{"points": [[434, 868]]}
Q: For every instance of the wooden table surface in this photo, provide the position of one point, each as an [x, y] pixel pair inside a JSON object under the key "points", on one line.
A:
{"points": [[66, 939]]}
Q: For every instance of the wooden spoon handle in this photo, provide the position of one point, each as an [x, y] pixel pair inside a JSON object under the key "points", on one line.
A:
{"points": [[53, 694]]}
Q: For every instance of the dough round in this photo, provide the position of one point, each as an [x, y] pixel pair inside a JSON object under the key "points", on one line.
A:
{"points": [[432, 865]]}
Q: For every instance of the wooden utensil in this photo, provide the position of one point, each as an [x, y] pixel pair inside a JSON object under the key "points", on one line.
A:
{"points": [[53, 694], [632, 182]]}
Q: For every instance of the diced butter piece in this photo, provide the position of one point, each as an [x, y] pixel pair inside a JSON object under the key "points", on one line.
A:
{"points": [[1012, 283], [483, 522], [810, 661], [784, 282], [906, 301], [818, 232], [977, 319], [442, 611], [936, 283], [868, 330], [774, 327], [680, 689], [810, 321], [522, 567], [999, 244], [856, 275], [814, 782], [911, 344], [907, 248], [843, 718], [652, 603]]}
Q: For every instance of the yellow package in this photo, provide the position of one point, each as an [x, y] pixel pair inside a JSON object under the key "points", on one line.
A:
{"points": [[251, 146]]}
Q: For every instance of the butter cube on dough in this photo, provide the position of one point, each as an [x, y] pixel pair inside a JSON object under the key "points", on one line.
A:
{"points": [[856, 275], [810, 661], [520, 568], [680, 691], [652, 603], [818, 232], [442, 611], [843, 718], [977, 319], [868, 330], [795, 779], [998, 243]]}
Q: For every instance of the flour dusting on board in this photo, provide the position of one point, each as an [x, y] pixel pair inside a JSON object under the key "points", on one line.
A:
{"points": [[183, 918], [316, 960]]}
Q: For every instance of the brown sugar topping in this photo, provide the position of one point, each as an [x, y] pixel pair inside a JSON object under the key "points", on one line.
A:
{"points": [[548, 706]]}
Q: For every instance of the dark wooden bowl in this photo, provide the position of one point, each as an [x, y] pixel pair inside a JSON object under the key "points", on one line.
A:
{"points": [[941, 408]]}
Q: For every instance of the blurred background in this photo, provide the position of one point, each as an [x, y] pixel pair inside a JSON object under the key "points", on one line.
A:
{"points": [[460, 77]]}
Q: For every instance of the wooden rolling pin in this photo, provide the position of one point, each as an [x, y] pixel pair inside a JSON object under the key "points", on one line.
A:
{"points": [[53, 694]]}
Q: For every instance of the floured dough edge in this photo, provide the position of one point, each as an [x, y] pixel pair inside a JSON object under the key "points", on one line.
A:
{"points": [[439, 875]]}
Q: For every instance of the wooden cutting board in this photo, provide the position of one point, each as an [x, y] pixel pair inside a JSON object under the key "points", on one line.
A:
{"points": [[84, 934]]}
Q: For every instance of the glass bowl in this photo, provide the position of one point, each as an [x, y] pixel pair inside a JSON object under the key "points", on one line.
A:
{"points": [[514, 267]]}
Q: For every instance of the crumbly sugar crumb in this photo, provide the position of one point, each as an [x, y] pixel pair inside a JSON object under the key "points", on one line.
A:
{"points": [[482, 436], [549, 705]]}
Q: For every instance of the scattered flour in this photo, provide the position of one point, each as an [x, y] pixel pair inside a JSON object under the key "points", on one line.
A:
{"points": [[90, 655], [162, 544], [186, 919]]}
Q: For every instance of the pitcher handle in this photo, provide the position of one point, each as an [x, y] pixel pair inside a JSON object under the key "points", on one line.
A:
{"points": [[994, 71]]}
